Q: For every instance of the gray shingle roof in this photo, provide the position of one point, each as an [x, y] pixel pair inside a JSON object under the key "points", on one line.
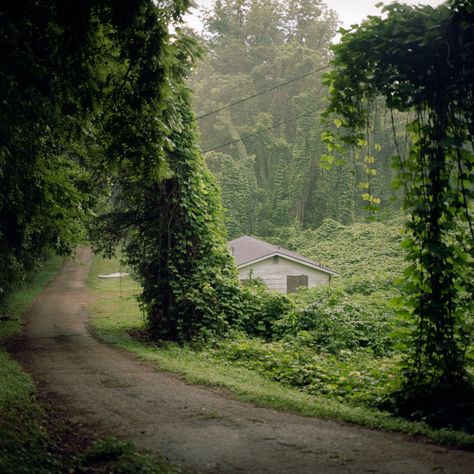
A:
{"points": [[248, 249]]}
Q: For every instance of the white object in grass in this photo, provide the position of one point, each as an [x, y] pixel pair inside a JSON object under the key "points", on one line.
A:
{"points": [[114, 275]]}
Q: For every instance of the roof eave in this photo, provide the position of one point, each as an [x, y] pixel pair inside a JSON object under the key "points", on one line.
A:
{"points": [[282, 255]]}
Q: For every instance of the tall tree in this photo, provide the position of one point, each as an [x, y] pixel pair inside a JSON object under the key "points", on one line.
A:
{"points": [[98, 102], [420, 59]]}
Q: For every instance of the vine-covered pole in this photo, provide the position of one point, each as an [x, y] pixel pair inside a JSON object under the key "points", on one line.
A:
{"points": [[419, 59]]}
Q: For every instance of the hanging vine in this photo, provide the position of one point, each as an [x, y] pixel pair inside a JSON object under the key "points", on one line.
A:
{"points": [[420, 60]]}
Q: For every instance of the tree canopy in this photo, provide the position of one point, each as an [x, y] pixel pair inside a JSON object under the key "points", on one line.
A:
{"points": [[97, 138], [267, 152]]}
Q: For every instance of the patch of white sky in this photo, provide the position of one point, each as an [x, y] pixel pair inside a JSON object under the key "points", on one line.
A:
{"points": [[350, 12]]}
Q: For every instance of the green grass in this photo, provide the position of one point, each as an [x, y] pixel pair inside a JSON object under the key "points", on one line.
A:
{"points": [[23, 437], [119, 457], [29, 443], [19, 301], [116, 317]]}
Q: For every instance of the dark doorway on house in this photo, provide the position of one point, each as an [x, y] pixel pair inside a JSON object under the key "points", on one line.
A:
{"points": [[293, 282]]}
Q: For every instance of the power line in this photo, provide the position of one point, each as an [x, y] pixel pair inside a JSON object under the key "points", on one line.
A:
{"points": [[264, 130], [263, 92]]}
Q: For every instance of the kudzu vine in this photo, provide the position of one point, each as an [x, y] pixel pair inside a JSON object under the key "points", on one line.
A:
{"points": [[164, 208], [420, 60]]}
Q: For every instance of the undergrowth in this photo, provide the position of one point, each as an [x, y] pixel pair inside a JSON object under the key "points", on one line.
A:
{"points": [[292, 373]]}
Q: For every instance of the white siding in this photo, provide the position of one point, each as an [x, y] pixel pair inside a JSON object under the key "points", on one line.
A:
{"points": [[274, 274]]}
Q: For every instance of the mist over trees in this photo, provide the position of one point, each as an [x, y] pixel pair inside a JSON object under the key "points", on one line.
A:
{"points": [[267, 152]]}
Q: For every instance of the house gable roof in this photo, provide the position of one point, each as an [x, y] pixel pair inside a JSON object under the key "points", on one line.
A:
{"points": [[247, 250]]}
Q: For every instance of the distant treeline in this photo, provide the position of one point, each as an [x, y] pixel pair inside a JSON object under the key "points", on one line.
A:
{"points": [[281, 174]]}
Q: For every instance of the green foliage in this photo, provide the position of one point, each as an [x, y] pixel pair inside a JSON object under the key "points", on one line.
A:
{"points": [[354, 313], [119, 457], [172, 230], [419, 59], [354, 378], [280, 176], [261, 310], [239, 190], [330, 320], [368, 251], [44, 200]]}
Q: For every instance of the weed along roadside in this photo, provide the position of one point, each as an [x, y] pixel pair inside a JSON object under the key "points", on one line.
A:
{"points": [[34, 434], [264, 372], [25, 445]]}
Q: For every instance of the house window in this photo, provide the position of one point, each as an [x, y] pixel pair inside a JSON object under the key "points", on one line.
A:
{"points": [[275, 260], [293, 282]]}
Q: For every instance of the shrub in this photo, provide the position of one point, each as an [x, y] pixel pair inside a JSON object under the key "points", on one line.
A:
{"points": [[328, 319], [262, 309], [351, 377]]}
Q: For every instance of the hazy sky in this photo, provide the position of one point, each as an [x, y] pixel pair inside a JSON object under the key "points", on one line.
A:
{"points": [[349, 11]]}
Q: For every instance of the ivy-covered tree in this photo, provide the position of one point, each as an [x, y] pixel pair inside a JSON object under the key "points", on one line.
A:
{"points": [[96, 109], [253, 46], [421, 60]]}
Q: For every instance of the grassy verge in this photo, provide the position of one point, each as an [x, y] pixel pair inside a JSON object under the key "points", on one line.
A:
{"points": [[17, 303], [31, 441], [23, 437], [116, 315]]}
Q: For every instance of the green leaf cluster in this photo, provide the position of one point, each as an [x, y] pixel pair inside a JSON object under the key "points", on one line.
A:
{"points": [[355, 378]]}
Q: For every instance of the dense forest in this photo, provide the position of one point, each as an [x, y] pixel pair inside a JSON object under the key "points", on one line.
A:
{"points": [[268, 152]]}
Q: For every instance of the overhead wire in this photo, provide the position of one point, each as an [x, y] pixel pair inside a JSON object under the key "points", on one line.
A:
{"points": [[253, 96], [263, 130]]}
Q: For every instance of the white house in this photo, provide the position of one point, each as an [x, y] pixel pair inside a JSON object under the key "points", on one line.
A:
{"points": [[280, 269]]}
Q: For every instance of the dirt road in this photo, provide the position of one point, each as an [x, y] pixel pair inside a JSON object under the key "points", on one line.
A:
{"points": [[200, 429]]}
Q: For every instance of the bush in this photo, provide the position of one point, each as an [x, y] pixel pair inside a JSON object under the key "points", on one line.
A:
{"points": [[262, 309], [330, 320], [351, 377]]}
